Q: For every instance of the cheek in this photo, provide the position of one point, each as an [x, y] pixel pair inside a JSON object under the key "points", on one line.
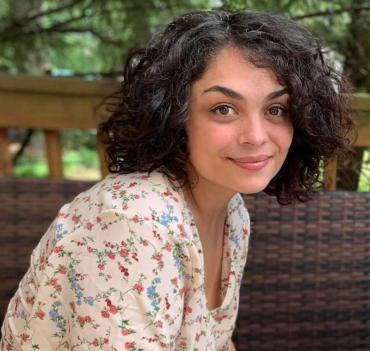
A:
{"points": [[284, 137], [210, 137]]}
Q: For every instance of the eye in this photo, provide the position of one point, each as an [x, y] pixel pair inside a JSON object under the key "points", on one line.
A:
{"points": [[278, 111], [223, 110]]}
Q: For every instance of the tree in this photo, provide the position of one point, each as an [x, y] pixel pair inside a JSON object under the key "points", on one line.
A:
{"points": [[80, 36]]}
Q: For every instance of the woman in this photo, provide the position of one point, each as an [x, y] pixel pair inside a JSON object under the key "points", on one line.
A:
{"points": [[152, 257]]}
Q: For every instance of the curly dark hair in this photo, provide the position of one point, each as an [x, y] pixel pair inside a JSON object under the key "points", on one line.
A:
{"points": [[146, 130]]}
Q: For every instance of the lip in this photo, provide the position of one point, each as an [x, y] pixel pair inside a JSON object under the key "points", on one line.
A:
{"points": [[253, 163]]}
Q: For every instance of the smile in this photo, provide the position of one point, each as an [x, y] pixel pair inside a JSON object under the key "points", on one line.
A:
{"points": [[252, 163]]}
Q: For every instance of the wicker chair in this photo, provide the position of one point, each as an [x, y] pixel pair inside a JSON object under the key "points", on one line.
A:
{"points": [[307, 281]]}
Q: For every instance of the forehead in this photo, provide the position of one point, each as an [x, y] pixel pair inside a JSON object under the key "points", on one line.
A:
{"points": [[231, 67]]}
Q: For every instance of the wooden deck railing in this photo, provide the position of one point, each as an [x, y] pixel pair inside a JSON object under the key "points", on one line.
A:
{"points": [[55, 104], [52, 105]]}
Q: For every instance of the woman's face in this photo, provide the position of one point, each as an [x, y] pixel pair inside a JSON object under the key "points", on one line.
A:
{"points": [[239, 129]]}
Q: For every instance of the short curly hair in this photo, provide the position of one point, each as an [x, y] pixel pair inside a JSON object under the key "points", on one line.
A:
{"points": [[147, 127]]}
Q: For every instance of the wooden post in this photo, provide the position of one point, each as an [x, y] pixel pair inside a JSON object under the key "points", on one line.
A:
{"points": [[103, 162], [54, 154], [330, 175], [5, 161]]}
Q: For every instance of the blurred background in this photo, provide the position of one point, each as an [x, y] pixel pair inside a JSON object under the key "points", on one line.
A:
{"points": [[59, 59]]}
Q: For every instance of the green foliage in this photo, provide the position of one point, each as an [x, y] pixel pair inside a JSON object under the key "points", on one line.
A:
{"points": [[77, 164], [343, 26], [30, 167], [364, 182], [77, 138], [81, 164], [94, 36], [81, 36]]}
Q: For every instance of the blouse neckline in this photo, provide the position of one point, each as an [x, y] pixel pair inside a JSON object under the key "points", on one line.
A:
{"points": [[226, 284]]}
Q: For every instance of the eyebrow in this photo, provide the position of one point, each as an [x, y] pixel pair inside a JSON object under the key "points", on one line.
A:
{"points": [[235, 95], [226, 91], [278, 93]]}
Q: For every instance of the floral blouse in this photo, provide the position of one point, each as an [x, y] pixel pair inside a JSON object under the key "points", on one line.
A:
{"points": [[121, 268]]}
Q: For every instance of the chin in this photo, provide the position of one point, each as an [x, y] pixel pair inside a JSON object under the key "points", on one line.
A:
{"points": [[253, 187]]}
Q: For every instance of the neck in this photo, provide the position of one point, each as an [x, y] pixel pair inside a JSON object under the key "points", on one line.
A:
{"points": [[208, 203]]}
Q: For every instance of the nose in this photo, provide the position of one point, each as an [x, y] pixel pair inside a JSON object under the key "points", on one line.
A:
{"points": [[252, 130]]}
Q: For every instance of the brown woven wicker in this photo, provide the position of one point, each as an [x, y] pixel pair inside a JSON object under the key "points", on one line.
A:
{"points": [[307, 281], [27, 207]]}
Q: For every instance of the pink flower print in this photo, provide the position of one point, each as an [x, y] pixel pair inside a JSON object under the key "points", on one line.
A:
{"points": [[135, 219], [168, 247], [40, 314], [126, 331], [113, 309], [30, 300], [81, 320], [123, 270], [24, 338], [76, 219], [139, 288], [89, 225], [58, 249], [129, 345], [168, 305], [245, 232], [123, 253], [111, 255], [101, 266], [158, 257], [104, 314], [62, 269], [53, 281]]}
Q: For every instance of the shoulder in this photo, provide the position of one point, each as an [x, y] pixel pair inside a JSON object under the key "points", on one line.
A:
{"points": [[135, 194], [136, 201], [136, 211], [129, 193]]}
